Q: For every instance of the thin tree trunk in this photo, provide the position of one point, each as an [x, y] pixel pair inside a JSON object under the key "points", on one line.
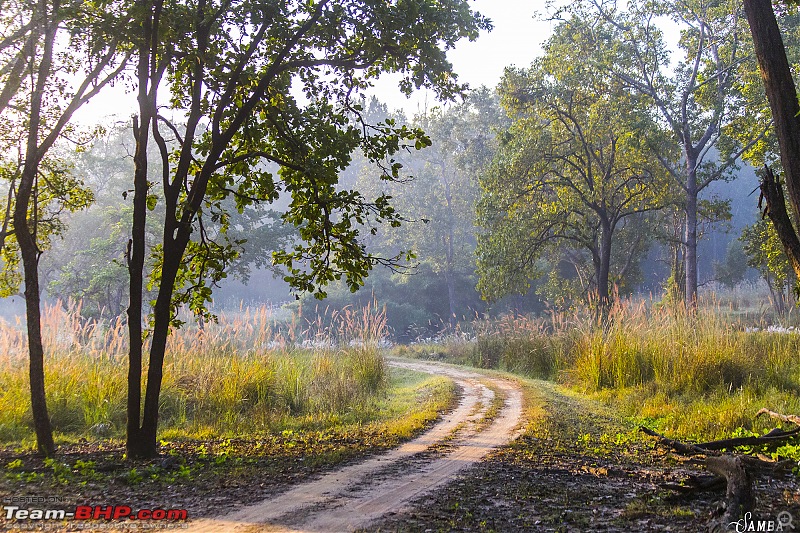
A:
{"points": [[603, 272], [173, 252], [30, 264], [136, 444], [29, 250], [690, 235], [451, 289]]}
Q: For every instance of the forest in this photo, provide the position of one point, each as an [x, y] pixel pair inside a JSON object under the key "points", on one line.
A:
{"points": [[265, 274]]}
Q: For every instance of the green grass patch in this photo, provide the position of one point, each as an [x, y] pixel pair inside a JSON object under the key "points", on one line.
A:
{"points": [[245, 374]]}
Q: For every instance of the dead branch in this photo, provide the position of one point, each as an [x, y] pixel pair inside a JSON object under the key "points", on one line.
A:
{"points": [[794, 419], [735, 470], [775, 436], [678, 446]]}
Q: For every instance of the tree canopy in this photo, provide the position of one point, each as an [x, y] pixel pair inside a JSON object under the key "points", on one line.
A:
{"points": [[573, 169]]}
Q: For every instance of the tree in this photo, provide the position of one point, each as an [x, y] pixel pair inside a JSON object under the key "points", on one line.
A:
{"points": [[447, 185], [54, 57], [699, 100], [782, 96], [439, 203], [570, 173], [231, 67]]}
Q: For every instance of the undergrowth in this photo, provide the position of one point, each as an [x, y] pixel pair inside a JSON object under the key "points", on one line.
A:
{"points": [[697, 377], [246, 373]]}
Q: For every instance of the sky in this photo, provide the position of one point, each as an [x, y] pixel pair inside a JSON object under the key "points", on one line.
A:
{"points": [[515, 40]]}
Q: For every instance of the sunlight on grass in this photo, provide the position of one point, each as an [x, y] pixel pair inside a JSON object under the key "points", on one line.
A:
{"points": [[246, 374], [698, 376]]}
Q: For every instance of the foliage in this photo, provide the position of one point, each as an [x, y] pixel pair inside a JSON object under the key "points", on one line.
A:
{"points": [[766, 254], [436, 289], [733, 269], [695, 92], [572, 171], [58, 191]]}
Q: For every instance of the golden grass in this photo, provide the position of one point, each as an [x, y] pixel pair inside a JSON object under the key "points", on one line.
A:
{"points": [[247, 372], [701, 375]]}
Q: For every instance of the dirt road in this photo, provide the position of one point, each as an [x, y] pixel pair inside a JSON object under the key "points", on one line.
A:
{"points": [[488, 415]]}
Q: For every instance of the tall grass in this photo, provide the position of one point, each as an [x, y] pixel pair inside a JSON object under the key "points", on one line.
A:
{"points": [[247, 372], [694, 374]]}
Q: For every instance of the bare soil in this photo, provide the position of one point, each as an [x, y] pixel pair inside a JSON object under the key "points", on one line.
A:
{"points": [[579, 468]]}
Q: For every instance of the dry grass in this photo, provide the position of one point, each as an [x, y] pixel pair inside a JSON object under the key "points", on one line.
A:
{"points": [[248, 372], [702, 375]]}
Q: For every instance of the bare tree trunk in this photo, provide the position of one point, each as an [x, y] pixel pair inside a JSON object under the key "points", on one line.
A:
{"points": [[603, 293], [30, 264], [449, 268], [136, 444], [690, 235], [161, 324]]}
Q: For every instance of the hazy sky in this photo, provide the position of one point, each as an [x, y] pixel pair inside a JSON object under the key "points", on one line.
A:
{"points": [[515, 40]]}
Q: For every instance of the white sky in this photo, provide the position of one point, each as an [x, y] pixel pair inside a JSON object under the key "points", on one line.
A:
{"points": [[515, 40]]}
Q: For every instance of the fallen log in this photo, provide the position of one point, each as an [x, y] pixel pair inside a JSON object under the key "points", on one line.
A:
{"points": [[734, 470]]}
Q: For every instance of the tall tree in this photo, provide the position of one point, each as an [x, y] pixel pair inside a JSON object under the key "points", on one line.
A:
{"points": [[697, 96], [440, 199], [55, 57], [462, 149], [571, 171], [231, 67]]}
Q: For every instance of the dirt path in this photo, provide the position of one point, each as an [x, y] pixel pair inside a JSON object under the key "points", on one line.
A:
{"points": [[488, 415]]}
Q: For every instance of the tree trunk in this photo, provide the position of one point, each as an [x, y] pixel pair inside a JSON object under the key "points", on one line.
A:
{"points": [[29, 250], [136, 445], [136, 253], [30, 264], [603, 292], [448, 269], [162, 318], [782, 96], [690, 234]]}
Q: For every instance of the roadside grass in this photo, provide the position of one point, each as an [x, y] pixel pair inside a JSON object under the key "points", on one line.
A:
{"points": [[246, 373], [249, 405], [701, 377], [194, 470], [577, 466]]}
